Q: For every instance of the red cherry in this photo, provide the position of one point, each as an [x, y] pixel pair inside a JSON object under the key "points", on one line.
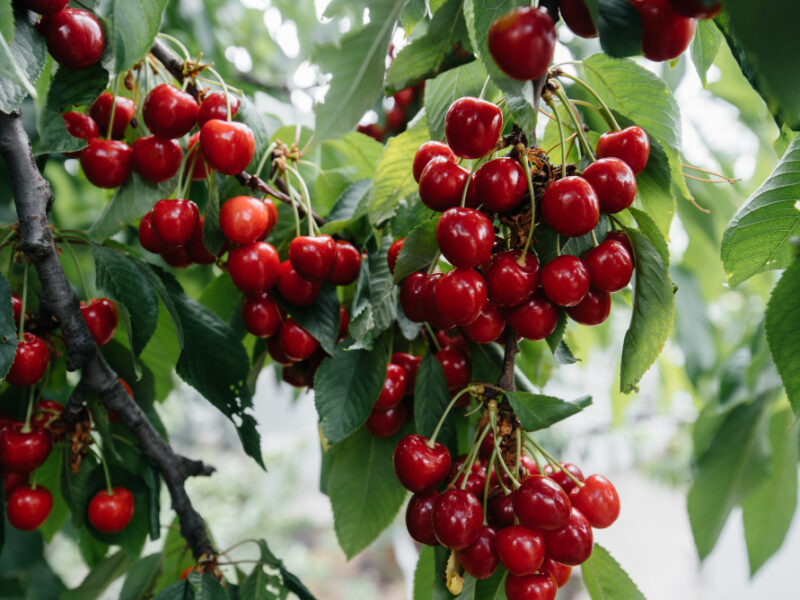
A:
{"points": [[476, 480], [412, 296], [578, 18], [156, 159], [177, 256], [228, 147], [534, 319], [124, 109], [465, 237], [456, 368], [273, 216], [631, 145], [561, 478], [16, 307], [622, 238], [174, 220], [23, 451], [530, 466], [45, 7], [243, 219], [344, 323], [107, 163], [419, 466], [294, 289], [199, 171], [169, 112], [530, 587], [472, 127], [442, 184], [508, 283], [610, 266], [540, 503], [570, 206], [298, 374], [449, 339], [614, 183], [395, 118], [74, 37], [394, 388], [394, 250], [500, 184], [46, 412], [522, 42], [488, 326], [30, 362], [597, 500], [347, 264], [373, 130], [215, 106], [296, 342], [404, 97], [426, 152], [593, 309], [385, 423], [261, 315], [479, 559], [565, 280], [418, 517], [461, 295], [572, 544], [501, 511], [13, 480], [560, 573], [254, 268], [665, 33], [695, 9], [101, 317], [521, 549], [80, 125], [410, 364], [313, 257], [28, 507], [276, 352], [457, 519], [196, 247], [147, 237], [111, 512]]}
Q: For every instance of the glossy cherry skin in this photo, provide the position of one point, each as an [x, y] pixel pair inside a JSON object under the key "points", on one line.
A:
{"points": [[500, 184], [28, 508], [540, 503], [22, 451], [488, 326], [174, 220], [570, 206], [442, 184], [622, 238], [426, 152], [385, 423], [156, 159], [16, 308], [13, 480], [124, 109], [276, 352], [434, 315], [101, 317], [593, 309], [578, 18], [177, 256], [508, 283], [347, 264], [597, 500], [294, 289], [465, 237], [199, 170], [394, 251], [614, 183], [472, 127], [534, 319], [610, 266], [296, 342], [565, 280], [196, 247], [476, 480], [453, 339], [631, 145], [530, 587], [410, 365], [522, 42], [344, 323], [228, 147], [261, 315], [254, 268], [461, 295], [107, 163], [521, 549], [243, 219], [47, 411], [457, 518], [561, 478], [111, 513], [480, 559], [696, 9], [560, 573], [215, 106], [456, 368], [45, 7], [418, 466], [665, 33], [313, 257], [572, 544], [418, 517], [412, 294], [394, 388], [30, 361], [501, 511], [170, 112], [147, 237], [74, 37], [81, 126]]}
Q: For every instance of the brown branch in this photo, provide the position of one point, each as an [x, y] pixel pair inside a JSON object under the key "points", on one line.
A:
{"points": [[507, 380]]}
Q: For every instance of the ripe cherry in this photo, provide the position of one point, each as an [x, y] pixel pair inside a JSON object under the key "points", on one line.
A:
{"points": [[457, 518], [480, 559], [147, 237], [394, 251], [412, 297], [540, 503], [593, 309], [597, 500], [453, 339], [45, 7], [501, 511], [124, 109], [420, 466], [196, 247], [199, 171], [23, 451], [696, 9], [530, 587], [347, 264], [107, 163], [254, 268], [296, 342], [622, 238], [243, 219], [28, 507], [13, 480], [418, 517], [110, 512], [465, 237], [385, 423], [155, 158], [665, 33], [500, 184], [313, 257], [488, 326], [177, 256], [261, 315], [101, 317], [169, 112], [394, 388], [521, 549], [227, 146], [404, 97], [74, 37], [344, 323], [565, 280], [560, 573], [215, 106], [570, 206], [476, 479], [276, 352], [461, 295], [535, 318], [80, 125], [610, 266], [507, 282], [46, 412], [631, 145], [571, 544], [442, 184], [410, 364], [614, 183], [426, 152], [174, 220], [472, 127], [298, 374], [456, 368], [30, 361], [294, 289], [522, 42], [16, 309], [566, 482], [373, 130], [578, 18]]}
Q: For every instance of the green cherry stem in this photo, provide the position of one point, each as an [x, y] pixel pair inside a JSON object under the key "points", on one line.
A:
{"points": [[225, 91], [484, 88], [306, 198], [21, 331], [571, 110], [471, 457], [609, 116], [519, 451], [561, 142], [265, 157], [102, 456], [554, 464], [489, 467], [446, 412], [26, 427], [527, 168], [177, 43]]}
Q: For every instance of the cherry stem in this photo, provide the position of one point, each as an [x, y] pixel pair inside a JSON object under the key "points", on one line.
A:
{"points": [[527, 168], [537, 460], [489, 467], [177, 43], [434, 263], [469, 461], [84, 286], [709, 172], [26, 427], [484, 88], [224, 91], [305, 196], [573, 115], [561, 142], [447, 410], [558, 244], [503, 464], [594, 239], [433, 337], [102, 456], [475, 166], [295, 211], [21, 330], [554, 464], [264, 158], [609, 116], [519, 451], [110, 128]]}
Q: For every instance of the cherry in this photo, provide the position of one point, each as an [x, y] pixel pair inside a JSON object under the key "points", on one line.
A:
{"points": [[530, 466], [412, 296], [395, 118], [540, 503], [298, 374], [572, 544], [394, 251], [243, 219], [228, 147], [593, 309], [561, 478], [465, 237], [30, 361], [45, 7], [480, 559], [410, 364], [110, 512], [597, 500], [428, 299], [694, 9], [500, 184], [294, 289], [488, 326], [565, 280], [521, 549], [107, 163], [170, 112], [404, 97], [419, 466], [347, 264], [457, 519], [28, 507], [534, 319], [196, 247], [254, 268], [631, 145], [508, 283], [418, 517], [472, 127], [614, 183], [456, 368], [80, 125], [16, 307], [426, 152], [273, 216], [174, 221], [461, 295], [313, 257], [373, 130], [560, 573], [344, 324], [578, 18], [522, 42], [101, 317], [622, 238], [665, 33], [47, 411], [442, 184], [124, 110], [501, 511], [476, 480], [570, 206], [394, 388], [156, 159], [13, 480], [177, 256], [610, 266], [385, 423], [276, 352], [74, 37], [147, 237], [530, 587], [215, 106], [296, 342], [448, 339], [23, 451], [199, 172], [261, 315]]}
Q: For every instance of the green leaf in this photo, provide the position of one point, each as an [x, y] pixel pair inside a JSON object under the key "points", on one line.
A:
{"points": [[783, 325], [7, 20], [653, 312], [537, 411], [758, 238], [448, 87], [374, 307], [705, 46], [654, 193], [561, 352], [206, 587], [649, 228], [8, 330], [131, 31], [619, 26], [222, 297], [431, 397], [418, 251], [321, 319], [142, 577], [258, 124], [254, 587], [606, 580], [100, 577], [424, 574], [350, 206], [290, 581], [364, 492], [21, 63], [180, 590], [492, 588]]}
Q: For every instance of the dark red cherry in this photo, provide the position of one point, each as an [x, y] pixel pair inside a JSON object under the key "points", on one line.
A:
{"points": [[23, 451], [294, 289], [170, 112], [530, 587], [696, 9], [276, 352], [227, 146], [193, 157], [560, 573], [501, 511], [395, 118], [124, 110], [593, 309], [610, 266], [614, 183], [80, 125], [373, 130], [500, 184], [456, 368], [578, 18], [561, 478], [598, 500], [465, 237], [457, 519], [540, 503], [522, 42], [472, 127], [480, 559], [419, 466], [441, 184], [521, 549], [476, 479], [571, 544], [13, 480], [101, 317], [45, 7], [394, 388], [461, 295], [412, 297], [426, 152], [74, 37], [215, 106], [534, 319], [196, 247], [147, 237], [174, 220], [622, 238], [16, 308], [347, 264], [107, 163], [261, 315], [156, 159], [243, 219], [565, 280], [344, 323], [570, 206], [30, 362], [631, 145], [404, 97], [488, 326], [28, 507], [296, 342], [254, 268], [418, 517], [385, 423], [177, 256], [313, 257], [111, 512], [298, 374], [434, 315], [410, 364], [453, 339], [394, 251], [665, 33], [273, 216], [46, 412], [507, 282]]}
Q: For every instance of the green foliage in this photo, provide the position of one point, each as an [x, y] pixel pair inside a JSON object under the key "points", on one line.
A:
{"points": [[321, 319], [8, 332], [23, 59], [606, 580], [782, 324], [441, 92], [536, 411], [619, 26], [705, 46], [374, 306], [418, 251], [100, 577], [431, 397], [130, 28]]}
